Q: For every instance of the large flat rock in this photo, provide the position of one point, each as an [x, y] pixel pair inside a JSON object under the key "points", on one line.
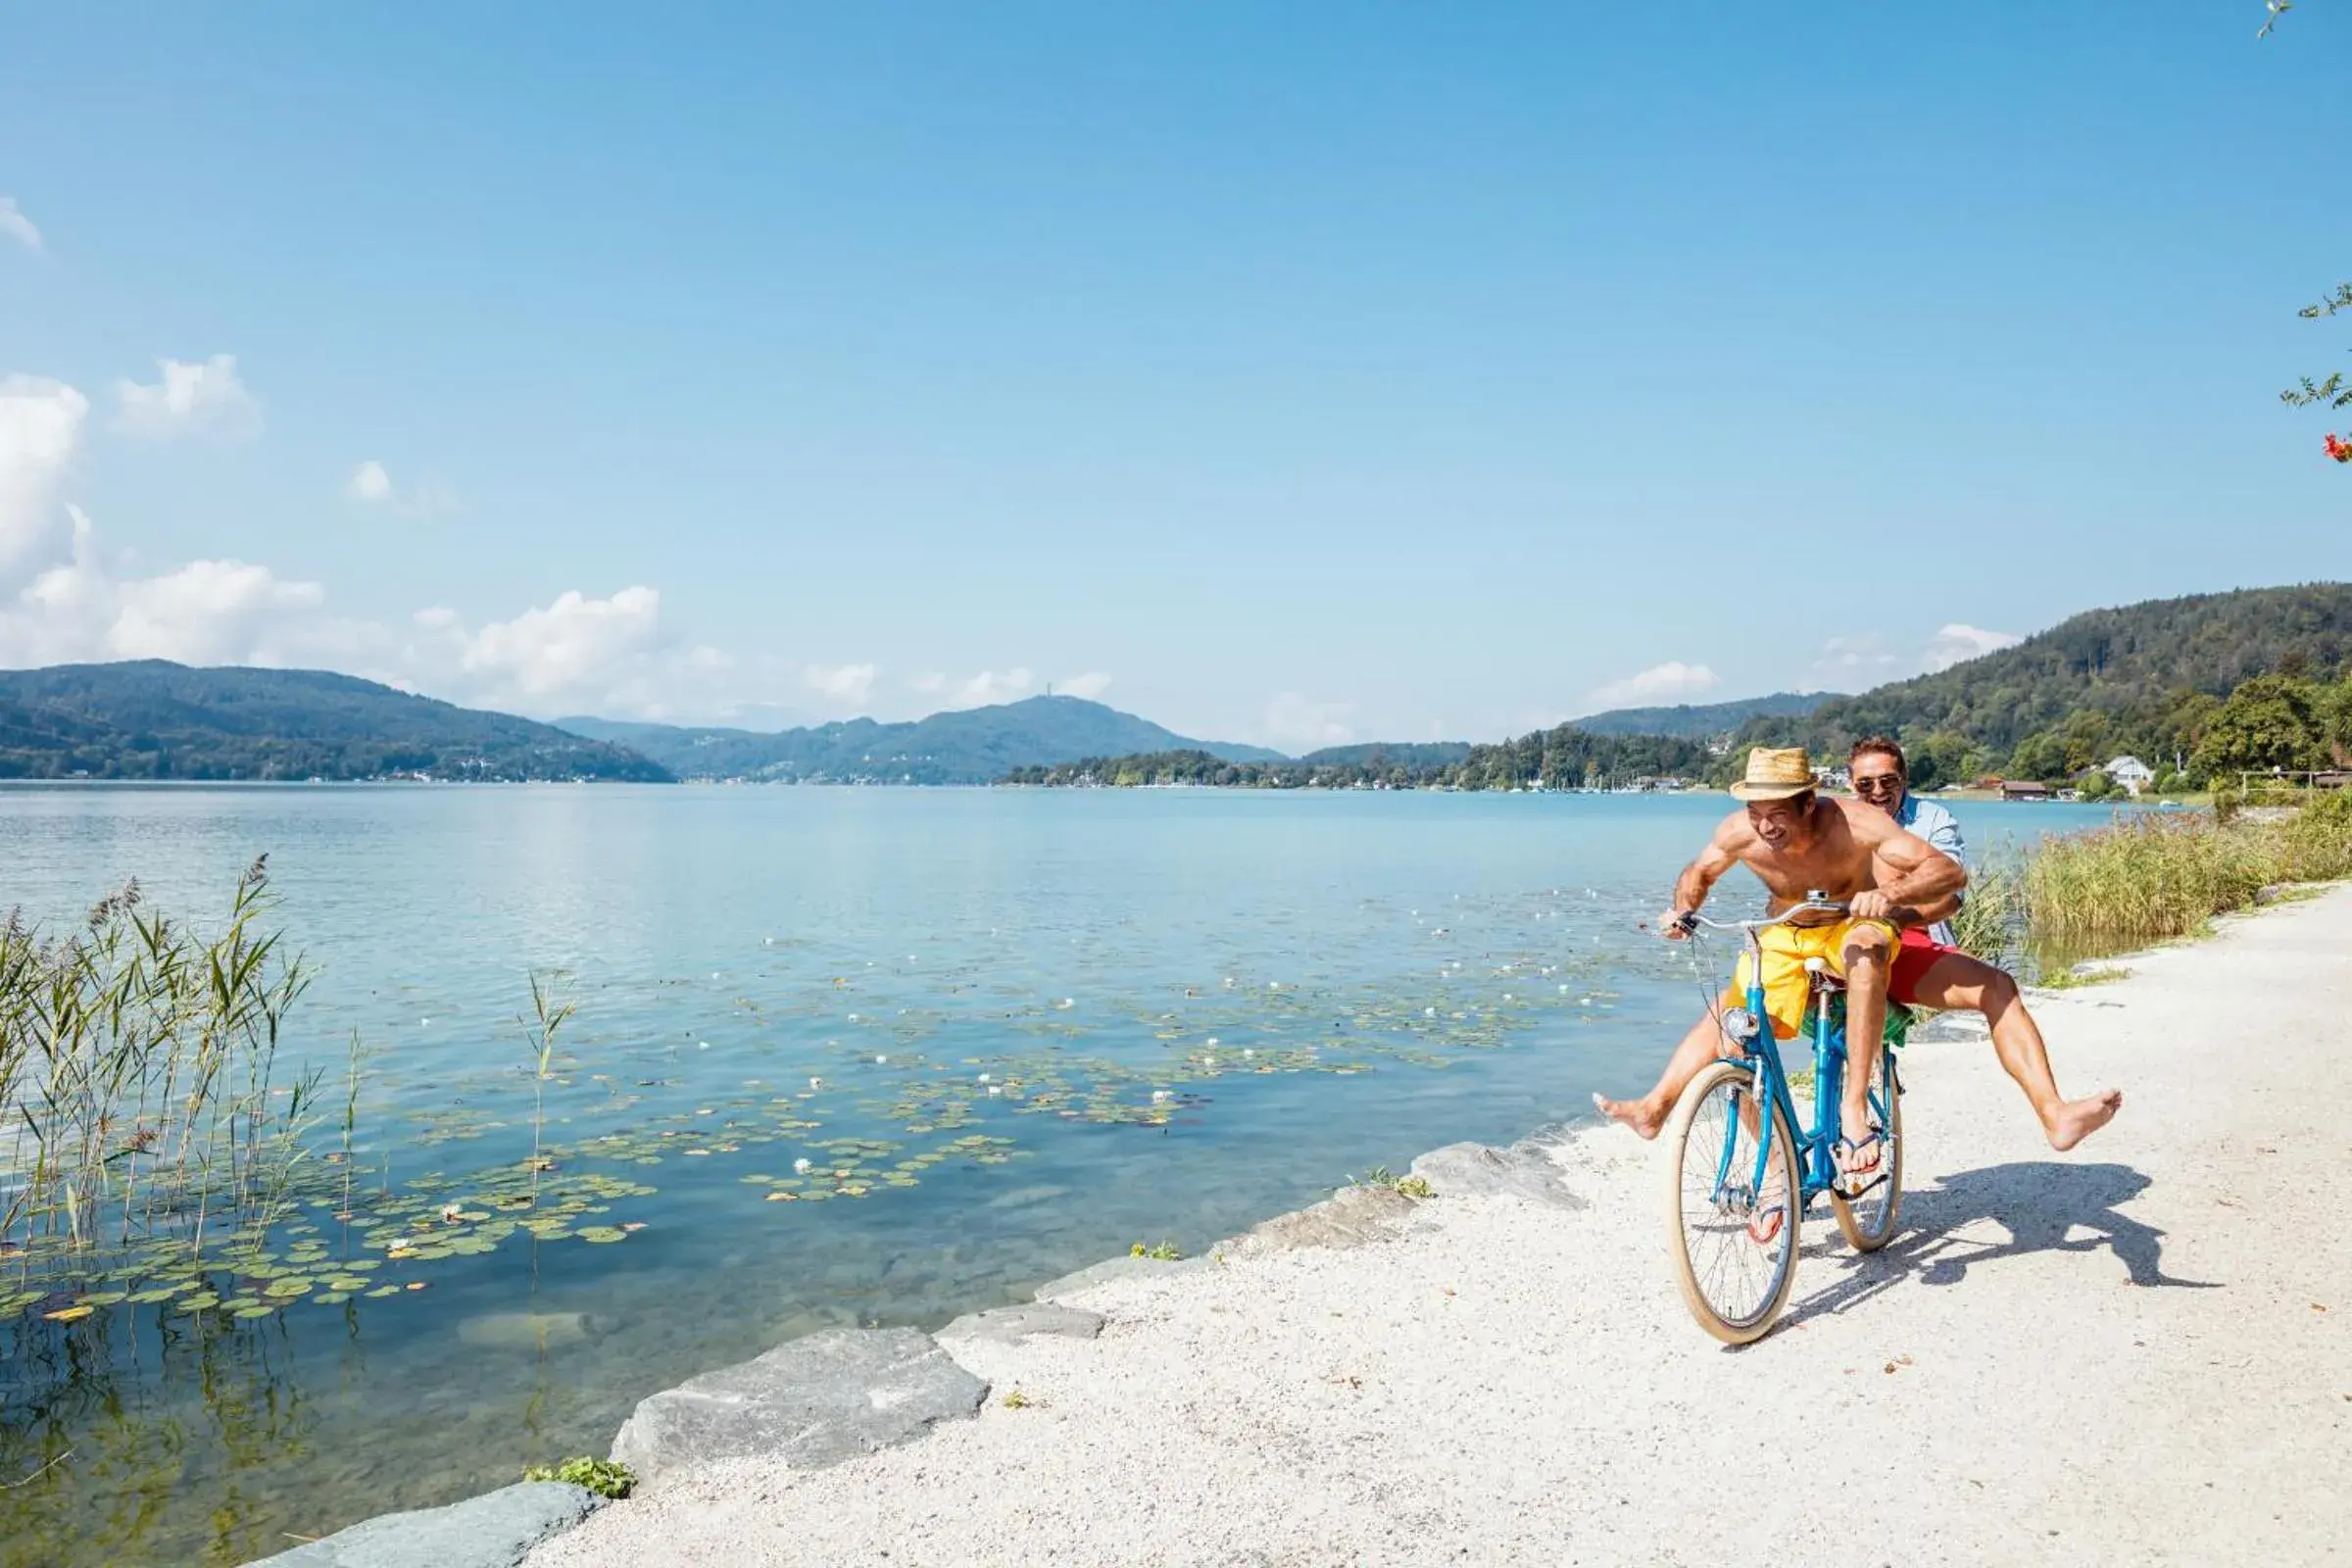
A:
{"points": [[496, 1530], [1116, 1268], [1350, 1217], [1010, 1325], [813, 1402], [1524, 1170]]}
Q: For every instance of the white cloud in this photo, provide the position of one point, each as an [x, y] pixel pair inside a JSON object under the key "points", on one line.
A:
{"points": [[577, 651], [1863, 659], [1957, 643], [843, 683], [992, 686], [40, 421], [369, 483], [1849, 664], [202, 613], [192, 399], [1670, 682], [16, 226], [1295, 723], [1091, 685]]}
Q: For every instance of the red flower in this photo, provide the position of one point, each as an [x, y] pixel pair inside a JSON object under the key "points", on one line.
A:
{"points": [[2340, 450]]}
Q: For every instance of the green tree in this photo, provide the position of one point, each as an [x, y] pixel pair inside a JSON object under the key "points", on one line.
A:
{"points": [[2097, 786], [2268, 722], [2039, 756]]}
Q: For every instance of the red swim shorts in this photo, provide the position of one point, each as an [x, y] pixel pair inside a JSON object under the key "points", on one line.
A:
{"points": [[1917, 955]]}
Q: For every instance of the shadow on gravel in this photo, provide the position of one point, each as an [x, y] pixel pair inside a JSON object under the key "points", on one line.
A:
{"points": [[2037, 1201]]}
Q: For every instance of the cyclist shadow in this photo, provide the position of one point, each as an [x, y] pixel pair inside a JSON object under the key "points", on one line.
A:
{"points": [[2040, 1203]]}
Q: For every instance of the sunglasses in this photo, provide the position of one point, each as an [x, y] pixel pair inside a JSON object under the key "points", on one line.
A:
{"points": [[1877, 783]]}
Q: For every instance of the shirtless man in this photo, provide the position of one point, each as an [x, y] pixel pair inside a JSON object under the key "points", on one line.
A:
{"points": [[1797, 842]]}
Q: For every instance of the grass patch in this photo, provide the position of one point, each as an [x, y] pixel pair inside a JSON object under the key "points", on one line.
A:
{"points": [[1414, 1187], [2076, 979], [1159, 1253], [607, 1478]]}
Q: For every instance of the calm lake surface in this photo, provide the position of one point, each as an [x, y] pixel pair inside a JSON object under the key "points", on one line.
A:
{"points": [[1009, 1033]]}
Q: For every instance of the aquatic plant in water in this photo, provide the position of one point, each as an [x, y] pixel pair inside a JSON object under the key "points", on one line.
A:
{"points": [[138, 1091]]}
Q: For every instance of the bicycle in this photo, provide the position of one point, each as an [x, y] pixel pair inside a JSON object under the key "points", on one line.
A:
{"points": [[1738, 1153]]}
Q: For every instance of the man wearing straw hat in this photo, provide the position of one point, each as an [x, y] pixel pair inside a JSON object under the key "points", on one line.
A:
{"points": [[1800, 845]]}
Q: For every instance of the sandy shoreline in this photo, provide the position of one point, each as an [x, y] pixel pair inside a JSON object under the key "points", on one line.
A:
{"points": [[2136, 1352]]}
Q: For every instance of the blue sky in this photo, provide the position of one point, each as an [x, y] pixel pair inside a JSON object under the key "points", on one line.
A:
{"points": [[1289, 373]]}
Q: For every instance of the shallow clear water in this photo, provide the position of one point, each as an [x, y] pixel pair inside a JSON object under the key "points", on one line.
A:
{"points": [[1055, 1023]]}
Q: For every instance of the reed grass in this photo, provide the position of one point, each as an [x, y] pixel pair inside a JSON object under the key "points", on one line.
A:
{"points": [[139, 1091], [2154, 878]]}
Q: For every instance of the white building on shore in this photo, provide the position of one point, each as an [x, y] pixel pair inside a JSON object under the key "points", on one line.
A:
{"points": [[2130, 773]]}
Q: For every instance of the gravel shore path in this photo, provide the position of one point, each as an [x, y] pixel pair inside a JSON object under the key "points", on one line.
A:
{"points": [[2138, 1352]]}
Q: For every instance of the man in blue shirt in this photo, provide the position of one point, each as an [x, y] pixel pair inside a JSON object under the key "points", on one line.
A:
{"points": [[1931, 970]]}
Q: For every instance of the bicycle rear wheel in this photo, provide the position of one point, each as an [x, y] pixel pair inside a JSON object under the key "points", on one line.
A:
{"points": [[1868, 1218], [1733, 1284]]}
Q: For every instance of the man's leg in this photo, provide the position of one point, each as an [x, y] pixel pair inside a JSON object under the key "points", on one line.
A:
{"points": [[1702, 1045], [1954, 983], [1868, 957]]}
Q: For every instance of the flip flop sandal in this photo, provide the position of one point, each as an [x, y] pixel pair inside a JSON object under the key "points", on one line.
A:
{"points": [[1764, 1225], [1847, 1152]]}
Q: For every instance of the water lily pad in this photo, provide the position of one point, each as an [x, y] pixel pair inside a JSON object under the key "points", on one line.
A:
{"points": [[331, 1297], [382, 1290], [287, 1288], [256, 1311], [603, 1232], [202, 1301], [70, 1314]]}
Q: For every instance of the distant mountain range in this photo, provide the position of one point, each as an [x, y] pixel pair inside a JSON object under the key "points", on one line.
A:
{"points": [[152, 720], [967, 746], [2124, 674], [1704, 720]]}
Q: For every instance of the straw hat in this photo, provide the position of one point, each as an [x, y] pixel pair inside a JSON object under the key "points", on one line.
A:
{"points": [[1775, 775]]}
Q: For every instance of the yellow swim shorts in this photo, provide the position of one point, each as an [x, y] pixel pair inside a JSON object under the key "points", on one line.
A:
{"points": [[1785, 950]]}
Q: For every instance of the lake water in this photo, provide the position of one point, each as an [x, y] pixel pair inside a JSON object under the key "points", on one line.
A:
{"points": [[1008, 1032]]}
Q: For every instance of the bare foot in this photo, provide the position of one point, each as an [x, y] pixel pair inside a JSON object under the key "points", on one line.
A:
{"points": [[2077, 1120], [1634, 1113]]}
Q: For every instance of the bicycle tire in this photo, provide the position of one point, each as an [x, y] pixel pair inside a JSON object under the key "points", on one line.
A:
{"points": [[1692, 1211], [1868, 1219]]}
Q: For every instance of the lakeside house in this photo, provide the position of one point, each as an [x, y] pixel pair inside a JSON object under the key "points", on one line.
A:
{"points": [[2130, 774], [2024, 789]]}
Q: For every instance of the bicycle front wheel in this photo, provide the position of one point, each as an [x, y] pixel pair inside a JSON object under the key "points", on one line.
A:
{"points": [[1732, 1238], [1868, 1217]]}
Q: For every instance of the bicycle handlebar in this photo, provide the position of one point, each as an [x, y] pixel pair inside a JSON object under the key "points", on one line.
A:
{"points": [[1692, 921]]}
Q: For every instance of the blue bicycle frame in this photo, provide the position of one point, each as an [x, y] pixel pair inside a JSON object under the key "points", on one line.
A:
{"points": [[1817, 1165]]}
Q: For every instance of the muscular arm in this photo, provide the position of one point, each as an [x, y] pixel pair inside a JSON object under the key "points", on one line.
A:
{"points": [[1911, 875], [1722, 853]]}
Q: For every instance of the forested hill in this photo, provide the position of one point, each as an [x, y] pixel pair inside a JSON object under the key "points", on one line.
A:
{"points": [[152, 720], [1703, 720], [2143, 678], [966, 745]]}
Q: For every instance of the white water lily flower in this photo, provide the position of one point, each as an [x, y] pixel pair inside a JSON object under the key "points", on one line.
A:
{"points": [[1247, 1053], [1212, 1040], [984, 1077], [817, 1083], [994, 1090], [1429, 1012], [1159, 1094], [801, 1166], [881, 1062]]}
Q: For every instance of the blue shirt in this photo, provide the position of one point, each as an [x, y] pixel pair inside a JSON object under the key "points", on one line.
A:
{"points": [[1930, 821]]}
